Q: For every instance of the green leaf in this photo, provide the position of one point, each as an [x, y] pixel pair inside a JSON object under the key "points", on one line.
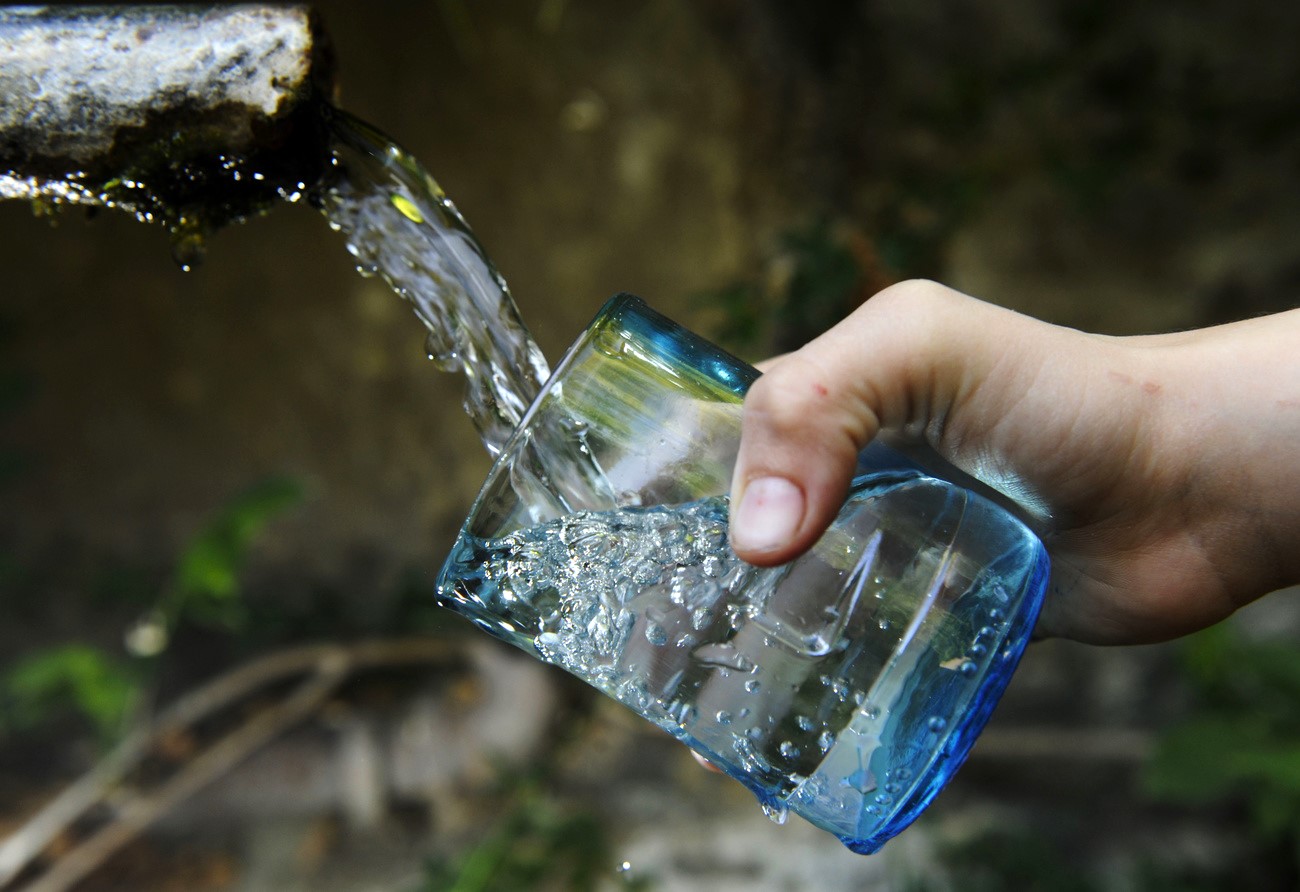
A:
{"points": [[207, 574], [74, 677]]}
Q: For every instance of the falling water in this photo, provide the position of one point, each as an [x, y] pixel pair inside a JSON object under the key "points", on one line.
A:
{"points": [[401, 227]]}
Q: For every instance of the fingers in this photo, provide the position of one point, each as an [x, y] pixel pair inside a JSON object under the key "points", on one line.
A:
{"points": [[892, 363]]}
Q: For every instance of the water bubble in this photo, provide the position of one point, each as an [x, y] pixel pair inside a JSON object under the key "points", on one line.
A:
{"points": [[788, 749], [753, 685], [804, 723], [700, 619], [968, 668], [825, 740], [723, 717], [936, 724]]}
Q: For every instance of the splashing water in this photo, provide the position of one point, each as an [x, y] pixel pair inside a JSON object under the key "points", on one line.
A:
{"points": [[401, 227]]}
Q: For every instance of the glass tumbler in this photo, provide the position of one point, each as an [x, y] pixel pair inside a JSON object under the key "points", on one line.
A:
{"points": [[846, 686]]}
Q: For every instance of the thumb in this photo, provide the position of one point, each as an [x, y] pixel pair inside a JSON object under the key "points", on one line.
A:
{"points": [[897, 362]]}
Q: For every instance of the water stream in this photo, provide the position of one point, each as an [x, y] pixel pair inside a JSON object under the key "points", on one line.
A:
{"points": [[401, 227]]}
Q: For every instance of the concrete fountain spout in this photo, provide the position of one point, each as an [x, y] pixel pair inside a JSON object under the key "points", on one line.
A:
{"points": [[188, 116]]}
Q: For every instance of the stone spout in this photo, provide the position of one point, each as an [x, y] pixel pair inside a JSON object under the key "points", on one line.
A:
{"points": [[185, 115]]}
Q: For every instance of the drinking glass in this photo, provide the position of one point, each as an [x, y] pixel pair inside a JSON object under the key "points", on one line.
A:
{"points": [[846, 686]]}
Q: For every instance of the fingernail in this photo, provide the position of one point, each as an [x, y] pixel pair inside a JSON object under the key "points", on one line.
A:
{"points": [[768, 515]]}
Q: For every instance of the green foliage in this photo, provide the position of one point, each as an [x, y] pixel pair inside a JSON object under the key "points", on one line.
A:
{"points": [[536, 845], [1014, 859], [1241, 744], [811, 281], [206, 583], [75, 677], [90, 682], [826, 282], [743, 308]]}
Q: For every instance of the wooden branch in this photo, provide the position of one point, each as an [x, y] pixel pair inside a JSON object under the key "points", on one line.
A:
{"points": [[25, 845]]}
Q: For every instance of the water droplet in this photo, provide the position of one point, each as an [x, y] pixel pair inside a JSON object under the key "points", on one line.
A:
{"points": [[776, 812], [723, 717], [189, 246], [936, 724], [825, 740], [655, 634], [788, 749], [804, 723]]}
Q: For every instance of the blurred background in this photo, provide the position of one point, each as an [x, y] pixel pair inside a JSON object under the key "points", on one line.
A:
{"points": [[259, 452]]}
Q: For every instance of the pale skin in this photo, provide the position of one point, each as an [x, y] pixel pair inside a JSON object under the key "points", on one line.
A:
{"points": [[1165, 469]]}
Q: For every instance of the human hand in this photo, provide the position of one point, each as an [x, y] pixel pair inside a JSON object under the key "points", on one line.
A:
{"points": [[1164, 469]]}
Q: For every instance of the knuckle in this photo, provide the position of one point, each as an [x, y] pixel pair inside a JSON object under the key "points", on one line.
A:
{"points": [[915, 298], [783, 398]]}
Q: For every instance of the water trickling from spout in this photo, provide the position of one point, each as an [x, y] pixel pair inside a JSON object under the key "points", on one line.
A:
{"points": [[401, 227]]}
